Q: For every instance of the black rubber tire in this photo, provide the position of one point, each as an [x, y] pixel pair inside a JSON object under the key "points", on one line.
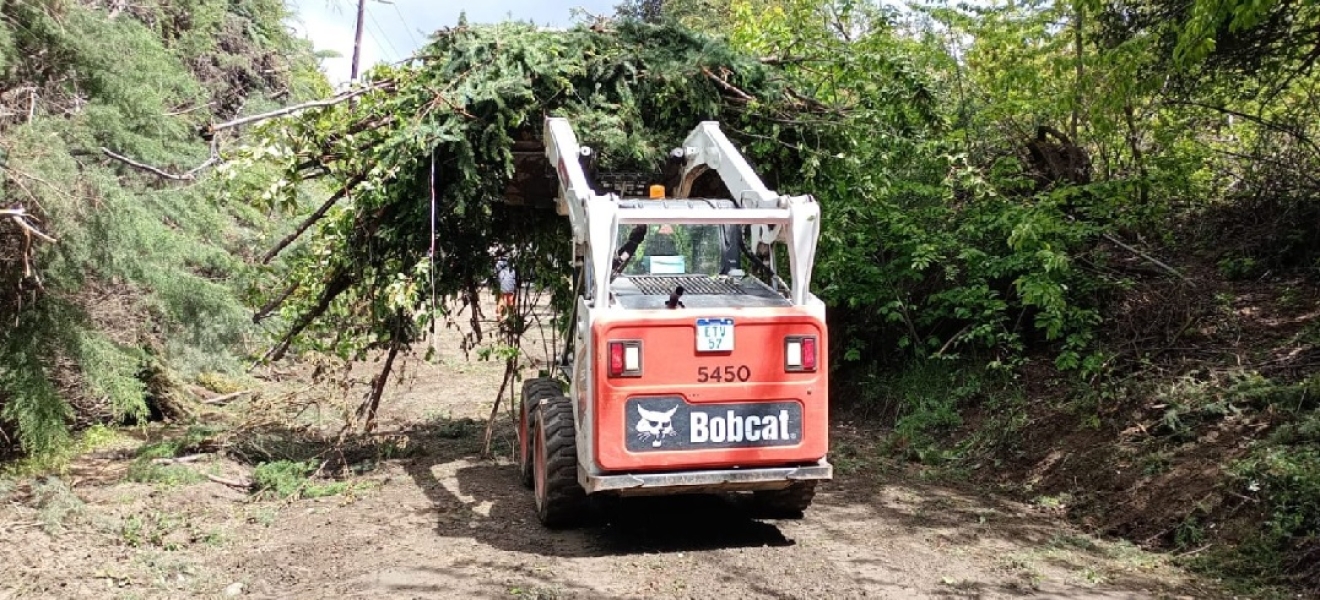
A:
{"points": [[560, 500], [788, 503], [533, 391]]}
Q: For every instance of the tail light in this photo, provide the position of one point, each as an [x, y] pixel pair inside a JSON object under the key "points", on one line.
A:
{"points": [[800, 353], [626, 359]]}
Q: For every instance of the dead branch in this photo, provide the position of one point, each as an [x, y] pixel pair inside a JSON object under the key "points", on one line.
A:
{"points": [[182, 460], [162, 173], [779, 61], [234, 483], [1285, 129], [1148, 257], [21, 218], [510, 369], [812, 104], [728, 87], [50, 186], [210, 130], [312, 219], [228, 397]]}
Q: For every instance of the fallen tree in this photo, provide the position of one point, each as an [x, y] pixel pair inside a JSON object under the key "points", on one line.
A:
{"points": [[450, 148]]}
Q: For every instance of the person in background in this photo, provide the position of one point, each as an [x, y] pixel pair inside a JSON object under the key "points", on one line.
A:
{"points": [[508, 281]]}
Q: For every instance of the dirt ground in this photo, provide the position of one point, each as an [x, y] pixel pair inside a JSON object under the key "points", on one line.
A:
{"points": [[431, 518]]}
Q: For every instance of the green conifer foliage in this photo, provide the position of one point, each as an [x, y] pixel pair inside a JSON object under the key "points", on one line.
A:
{"points": [[147, 272]]}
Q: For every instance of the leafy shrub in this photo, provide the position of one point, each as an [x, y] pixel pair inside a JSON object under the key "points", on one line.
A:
{"points": [[924, 400], [1283, 472]]}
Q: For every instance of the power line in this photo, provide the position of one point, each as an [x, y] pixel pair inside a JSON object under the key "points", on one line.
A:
{"points": [[381, 30], [404, 21]]}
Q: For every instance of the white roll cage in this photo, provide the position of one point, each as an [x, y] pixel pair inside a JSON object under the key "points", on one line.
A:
{"points": [[595, 218]]}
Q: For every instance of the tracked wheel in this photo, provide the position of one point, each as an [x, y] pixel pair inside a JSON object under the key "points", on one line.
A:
{"points": [[788, 503], [534, 390], [560, 500]]}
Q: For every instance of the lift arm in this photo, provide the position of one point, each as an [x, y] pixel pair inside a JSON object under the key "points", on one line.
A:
{"points": [[596, 218]]}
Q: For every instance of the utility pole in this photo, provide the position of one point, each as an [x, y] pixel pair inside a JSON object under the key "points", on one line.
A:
{"points": [[357, 39]]}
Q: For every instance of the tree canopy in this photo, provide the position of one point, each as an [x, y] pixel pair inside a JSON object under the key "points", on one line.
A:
{"points": [[451, 124]]}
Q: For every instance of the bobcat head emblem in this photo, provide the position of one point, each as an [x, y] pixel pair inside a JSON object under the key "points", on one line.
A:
{"points": [[654, 425]]}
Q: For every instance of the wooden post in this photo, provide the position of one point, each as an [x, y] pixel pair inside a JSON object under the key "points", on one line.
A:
{"points": [[357, 40]]}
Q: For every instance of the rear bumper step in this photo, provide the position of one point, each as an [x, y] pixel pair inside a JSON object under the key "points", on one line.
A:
{"points": [[726, 480]]}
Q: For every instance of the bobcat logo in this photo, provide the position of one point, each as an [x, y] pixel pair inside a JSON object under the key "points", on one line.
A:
{"points": [[655, 426]]}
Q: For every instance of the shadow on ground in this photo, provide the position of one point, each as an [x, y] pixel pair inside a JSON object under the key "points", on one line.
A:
{"points": [[893, 522], [503, 513]]}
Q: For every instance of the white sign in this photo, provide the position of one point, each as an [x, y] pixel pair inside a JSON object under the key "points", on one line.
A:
{"points": [[715, 335], [668, 265]]}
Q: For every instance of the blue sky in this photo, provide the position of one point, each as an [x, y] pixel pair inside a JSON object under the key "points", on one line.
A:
{"points": [[395, 30]]}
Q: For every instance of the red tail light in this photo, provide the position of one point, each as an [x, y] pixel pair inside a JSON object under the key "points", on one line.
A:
{"points": [[626, 359], [800, 353], [616, 359], [808, 354]]}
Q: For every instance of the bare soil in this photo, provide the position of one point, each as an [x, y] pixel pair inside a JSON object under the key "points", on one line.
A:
{"points": [[432, 518]]}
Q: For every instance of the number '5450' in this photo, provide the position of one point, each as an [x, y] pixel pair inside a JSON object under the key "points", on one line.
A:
{"points": [[725, 373]]}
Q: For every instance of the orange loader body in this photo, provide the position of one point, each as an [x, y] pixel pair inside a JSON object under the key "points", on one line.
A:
{"points": [[672, 368]]}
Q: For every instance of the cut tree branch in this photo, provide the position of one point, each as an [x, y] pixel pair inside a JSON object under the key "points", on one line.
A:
{"points": [[1148, 257], [211, 130], [312, 219], [20, 217], [275, 303], [369, 408], [337, 285], [726, 86]]}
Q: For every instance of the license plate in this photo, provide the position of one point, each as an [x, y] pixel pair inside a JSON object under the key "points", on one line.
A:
{"points": [[715, 335]]}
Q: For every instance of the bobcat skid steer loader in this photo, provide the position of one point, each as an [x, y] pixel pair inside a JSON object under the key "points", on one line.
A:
{"points": [[684, 374]]}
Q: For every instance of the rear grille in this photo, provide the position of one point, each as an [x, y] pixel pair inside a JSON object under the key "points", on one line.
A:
{"points": [[695, 285]]}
